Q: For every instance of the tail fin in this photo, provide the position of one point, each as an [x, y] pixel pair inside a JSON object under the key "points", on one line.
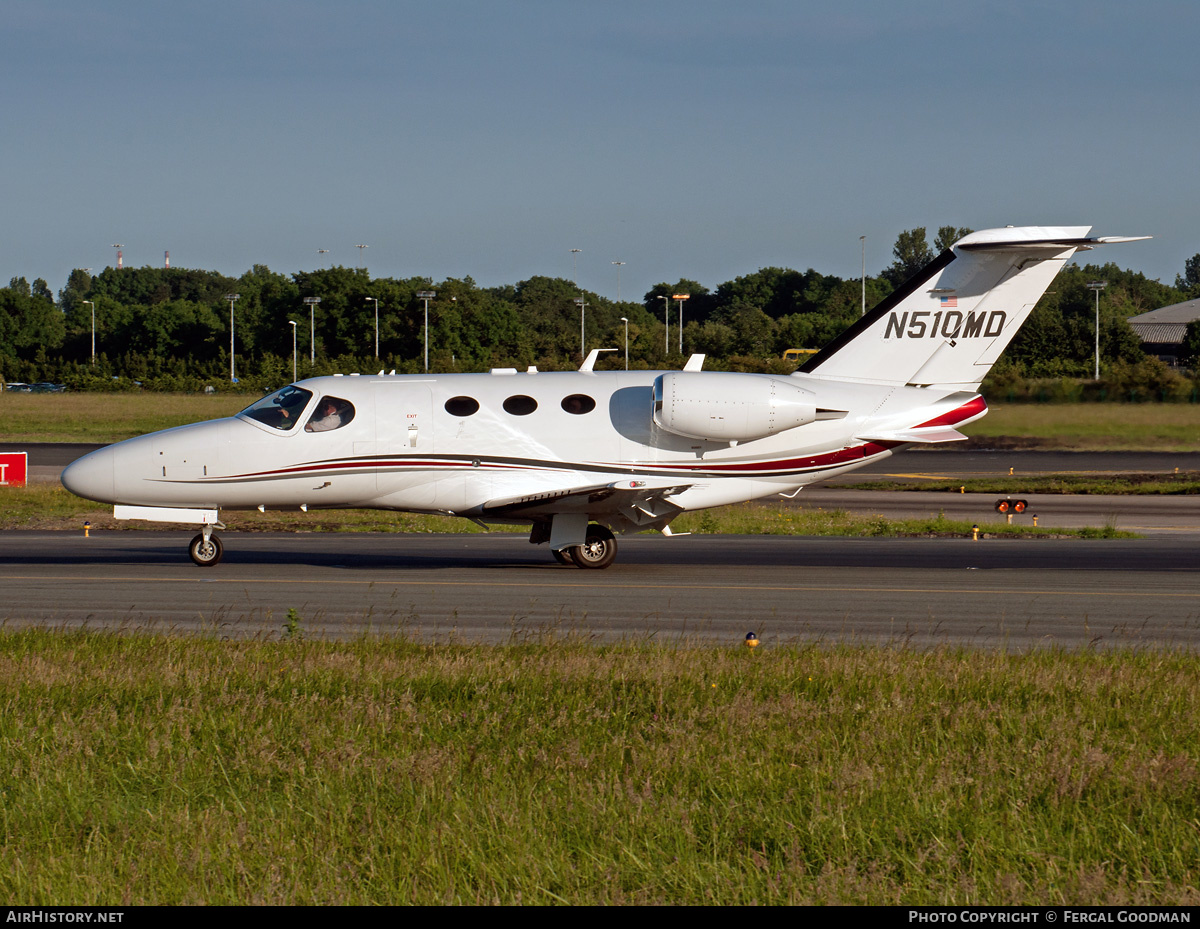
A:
{"points": [[949, 324]]}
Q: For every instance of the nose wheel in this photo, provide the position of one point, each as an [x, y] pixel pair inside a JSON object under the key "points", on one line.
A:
{"points": [[206, 549]]}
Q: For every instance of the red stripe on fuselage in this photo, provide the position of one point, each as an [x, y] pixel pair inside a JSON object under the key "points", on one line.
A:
{"points": [[969, 410], [746, 468], [829, 459]]}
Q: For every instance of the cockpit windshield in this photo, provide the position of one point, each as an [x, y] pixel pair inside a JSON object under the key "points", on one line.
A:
{"points": [[282, 409]]}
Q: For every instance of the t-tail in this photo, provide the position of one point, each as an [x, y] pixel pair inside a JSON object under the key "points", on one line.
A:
{"points": [[947, 325]]}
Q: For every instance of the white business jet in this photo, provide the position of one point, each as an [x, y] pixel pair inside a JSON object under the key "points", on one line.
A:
{"points": [[582, 455]]}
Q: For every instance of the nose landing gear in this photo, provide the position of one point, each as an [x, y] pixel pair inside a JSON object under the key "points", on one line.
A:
{"points": [[206, 549]]}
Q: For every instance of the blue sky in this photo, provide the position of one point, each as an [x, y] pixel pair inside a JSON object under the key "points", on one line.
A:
{"points": [[688, 139]]}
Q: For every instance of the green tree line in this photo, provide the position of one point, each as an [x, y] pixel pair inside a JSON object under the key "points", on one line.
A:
{"points": [[169, 328]]}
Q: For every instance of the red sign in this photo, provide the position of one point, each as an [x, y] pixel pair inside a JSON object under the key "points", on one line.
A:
{"points": [[13, 468]]}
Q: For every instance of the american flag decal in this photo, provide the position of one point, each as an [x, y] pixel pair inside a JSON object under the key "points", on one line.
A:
{"points": [[949, 303]]}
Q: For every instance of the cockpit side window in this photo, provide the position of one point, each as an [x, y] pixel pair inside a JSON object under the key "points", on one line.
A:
{"points": [[282, 409], [331, 413]]}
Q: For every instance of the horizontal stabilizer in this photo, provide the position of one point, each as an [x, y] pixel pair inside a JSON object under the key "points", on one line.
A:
{"points": [[973, 244], [915, 436]]}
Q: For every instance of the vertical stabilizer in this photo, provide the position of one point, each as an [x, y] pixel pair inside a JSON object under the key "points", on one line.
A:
{"points": [[947, 325]]}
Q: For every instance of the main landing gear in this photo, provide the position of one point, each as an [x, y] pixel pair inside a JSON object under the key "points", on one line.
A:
{"points": [[598, 550], [206, 549]]}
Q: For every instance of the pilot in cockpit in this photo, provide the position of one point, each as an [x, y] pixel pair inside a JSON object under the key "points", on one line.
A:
{"points": [[329, 415]]}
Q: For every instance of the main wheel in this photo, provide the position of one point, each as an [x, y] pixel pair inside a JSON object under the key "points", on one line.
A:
{"points": [[598, 551], [206, 554], [562, 557]]}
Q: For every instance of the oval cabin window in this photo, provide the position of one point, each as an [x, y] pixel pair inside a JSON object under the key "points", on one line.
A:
{"points": [[578, 404], [520, 405], [462, 406]]}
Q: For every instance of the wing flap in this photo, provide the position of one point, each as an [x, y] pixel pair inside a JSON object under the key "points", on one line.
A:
{"points": [[622, 504]]}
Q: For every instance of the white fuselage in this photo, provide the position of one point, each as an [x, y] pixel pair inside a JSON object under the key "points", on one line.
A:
{"points": [[531, 433]]}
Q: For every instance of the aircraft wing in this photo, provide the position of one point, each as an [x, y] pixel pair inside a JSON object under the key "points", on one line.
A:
{"points": [[623, 505]]}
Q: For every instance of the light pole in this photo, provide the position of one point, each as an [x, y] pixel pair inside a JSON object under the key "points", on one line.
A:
{"points": [[666, 323], [232, 298], [575, 266], [626, 322], [679, 298], [426, 295], [93, 306], [118, 246], [376, 299], [1096, 287], [863, 240], [618, 264], [360, 251], [582, 339], [312, 329], [292, 323], [322, 251]]}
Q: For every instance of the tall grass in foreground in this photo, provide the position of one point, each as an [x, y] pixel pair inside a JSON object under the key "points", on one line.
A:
{"points": [[139, 769]]}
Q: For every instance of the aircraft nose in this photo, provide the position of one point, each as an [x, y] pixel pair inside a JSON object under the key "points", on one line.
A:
{"points": [[92, 476]]}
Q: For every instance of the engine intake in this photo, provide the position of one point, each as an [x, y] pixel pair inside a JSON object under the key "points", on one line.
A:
{"points": [[727, 407]]}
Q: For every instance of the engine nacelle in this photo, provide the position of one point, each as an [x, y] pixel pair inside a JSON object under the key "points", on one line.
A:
{"points": [[727, 407]]}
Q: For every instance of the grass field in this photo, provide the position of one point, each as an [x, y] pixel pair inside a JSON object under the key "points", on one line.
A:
{"points": [[164, 770], [1090, 426], [99, 418], [86, 417]]}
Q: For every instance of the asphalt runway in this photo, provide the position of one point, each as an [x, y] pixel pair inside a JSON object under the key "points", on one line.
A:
{"points": [[991, 593], [1152, 516], [1011, 595]]}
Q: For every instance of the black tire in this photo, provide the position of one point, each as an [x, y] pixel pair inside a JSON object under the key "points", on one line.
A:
{"points": [[206, 554], [1020, 506], [562, 557], [1003, 506], [598, 551]]}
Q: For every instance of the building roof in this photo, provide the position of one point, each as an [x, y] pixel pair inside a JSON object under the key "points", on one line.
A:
{"points": [[1159, 333], [1181, 313]]}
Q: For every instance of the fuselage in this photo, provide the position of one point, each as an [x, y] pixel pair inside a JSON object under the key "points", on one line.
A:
{"points": [[452, 443]]}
